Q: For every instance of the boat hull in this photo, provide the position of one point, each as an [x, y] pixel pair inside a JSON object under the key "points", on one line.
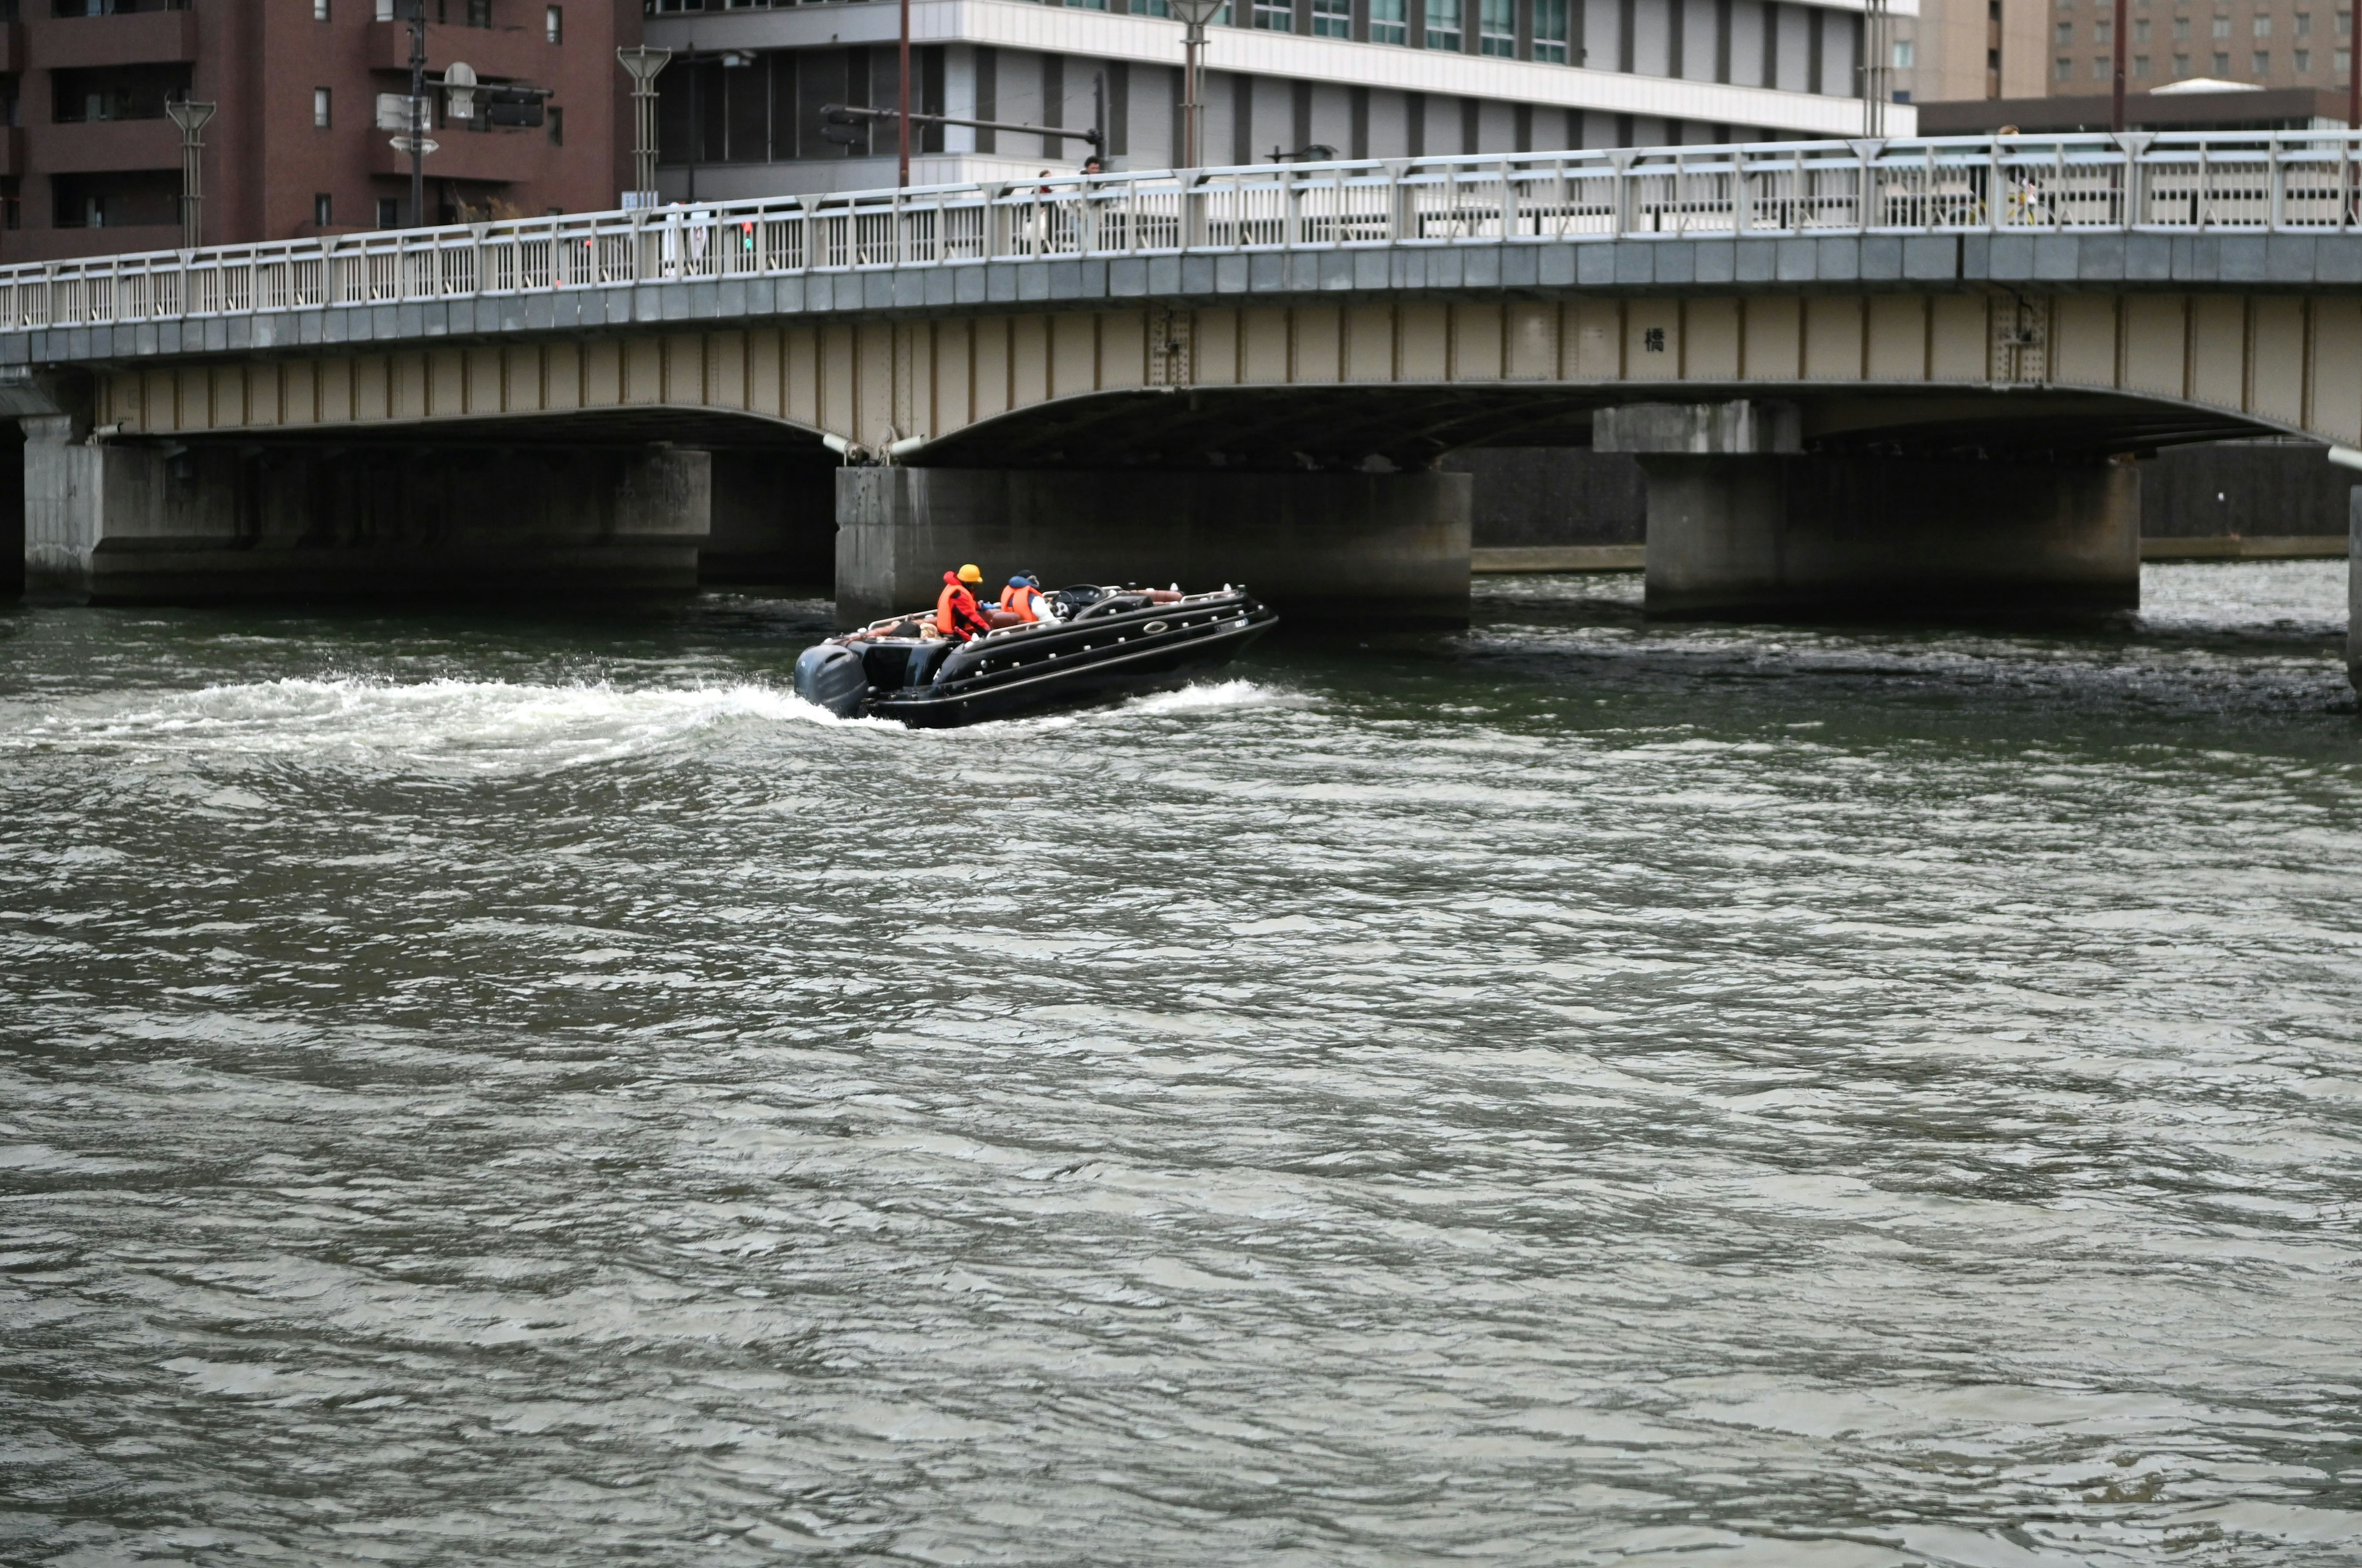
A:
{"points": [[1126, 642], [1139, 669]]}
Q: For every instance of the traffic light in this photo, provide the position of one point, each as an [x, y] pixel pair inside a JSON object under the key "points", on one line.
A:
{"points": [[512, 106], [841, 126]]}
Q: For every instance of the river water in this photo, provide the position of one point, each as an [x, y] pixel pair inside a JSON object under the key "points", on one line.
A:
{"points": [[482, 1091]]}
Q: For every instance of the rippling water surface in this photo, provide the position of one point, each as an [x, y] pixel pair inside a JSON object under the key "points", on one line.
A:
{"points": [[1575, 1092]]}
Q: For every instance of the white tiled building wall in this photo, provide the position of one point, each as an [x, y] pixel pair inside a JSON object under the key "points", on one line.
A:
{"points": [[1634, 73]]}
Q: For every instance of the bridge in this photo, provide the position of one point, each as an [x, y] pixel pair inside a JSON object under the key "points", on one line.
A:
{"points": [[1906, 374]]}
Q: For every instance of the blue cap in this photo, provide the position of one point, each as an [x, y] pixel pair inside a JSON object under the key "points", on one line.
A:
{"points": [[1020, 582]]}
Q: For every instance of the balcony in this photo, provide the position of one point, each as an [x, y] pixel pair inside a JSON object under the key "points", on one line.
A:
{"points": [[143, 38], [519, 52], [65, 244], [94, 146]]}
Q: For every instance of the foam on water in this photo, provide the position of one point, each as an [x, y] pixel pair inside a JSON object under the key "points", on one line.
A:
{"points": [[448, 724]]}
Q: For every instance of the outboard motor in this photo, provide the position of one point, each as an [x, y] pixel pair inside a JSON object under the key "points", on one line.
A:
{"points": [[829, 676]]}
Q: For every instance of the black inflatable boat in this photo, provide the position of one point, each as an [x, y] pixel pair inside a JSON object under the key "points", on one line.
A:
{"points": [[1109, 642]]}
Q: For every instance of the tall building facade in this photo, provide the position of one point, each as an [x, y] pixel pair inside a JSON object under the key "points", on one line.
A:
{"points": [[2260, 43], [90, 163], [1970, 49], [742, 104]]}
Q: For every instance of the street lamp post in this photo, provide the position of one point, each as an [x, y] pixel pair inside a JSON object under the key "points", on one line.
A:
{"points": [[1878, 51], [191, 119], [1193, 15], [644, 62]]}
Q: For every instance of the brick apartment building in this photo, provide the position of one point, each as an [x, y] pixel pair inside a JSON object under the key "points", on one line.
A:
{"points": [[90, 164]]}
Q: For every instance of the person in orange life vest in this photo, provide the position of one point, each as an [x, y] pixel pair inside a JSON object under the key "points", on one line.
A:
{"points": [[956, 614], [1022, 598]]}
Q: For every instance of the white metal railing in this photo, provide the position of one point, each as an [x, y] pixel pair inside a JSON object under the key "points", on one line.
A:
{"points": [[2302, 181]]}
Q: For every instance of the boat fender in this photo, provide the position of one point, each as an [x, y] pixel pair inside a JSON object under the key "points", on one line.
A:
{"points": [[829, 676]]}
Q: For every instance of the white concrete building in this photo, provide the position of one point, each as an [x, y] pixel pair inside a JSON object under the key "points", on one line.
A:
{"points": [[1360, 78]]}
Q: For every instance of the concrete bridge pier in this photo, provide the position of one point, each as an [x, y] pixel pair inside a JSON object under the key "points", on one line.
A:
{"points": [[147, 521], [1743, 524], [1378, 549], [2354, 587]]}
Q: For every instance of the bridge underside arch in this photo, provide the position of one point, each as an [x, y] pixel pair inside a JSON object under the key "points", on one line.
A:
{"points": [[1366, 428]]}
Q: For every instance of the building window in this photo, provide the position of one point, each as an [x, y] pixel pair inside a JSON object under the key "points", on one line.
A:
{"points": [[2221, 66], [1549, 31], [2064, 69], [554, 119], [2342, 61], [2222, 27], [319, 10], [322, 211], [385, 10], [2262, 62], [2263, 27], [13, 209], [2140, 32], [479, 12], [1387, 22], [2303, 60], [2103, 32], [2140, 65], [2065, 33], [1275, 16], [320, 108], [1332, 18], [1497, 27], [2305, 24], [1902, 54], [2181, 29], [553, 24], [2344, 24], [1443, 25], [2181, 65]]}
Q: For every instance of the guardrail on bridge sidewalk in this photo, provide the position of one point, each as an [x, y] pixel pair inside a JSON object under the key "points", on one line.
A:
{"points": [[2308, 182]]}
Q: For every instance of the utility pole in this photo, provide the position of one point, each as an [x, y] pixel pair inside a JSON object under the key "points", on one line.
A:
{"points": [[417, 114], [191, 119], [2116, 111], [2352, 75], [902, 120]]}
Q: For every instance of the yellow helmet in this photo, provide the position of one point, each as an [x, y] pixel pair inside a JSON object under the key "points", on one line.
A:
{"points": [[969, 574]]}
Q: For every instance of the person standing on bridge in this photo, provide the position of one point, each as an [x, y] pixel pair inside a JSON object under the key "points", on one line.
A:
{"points": [[956, 613]]}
